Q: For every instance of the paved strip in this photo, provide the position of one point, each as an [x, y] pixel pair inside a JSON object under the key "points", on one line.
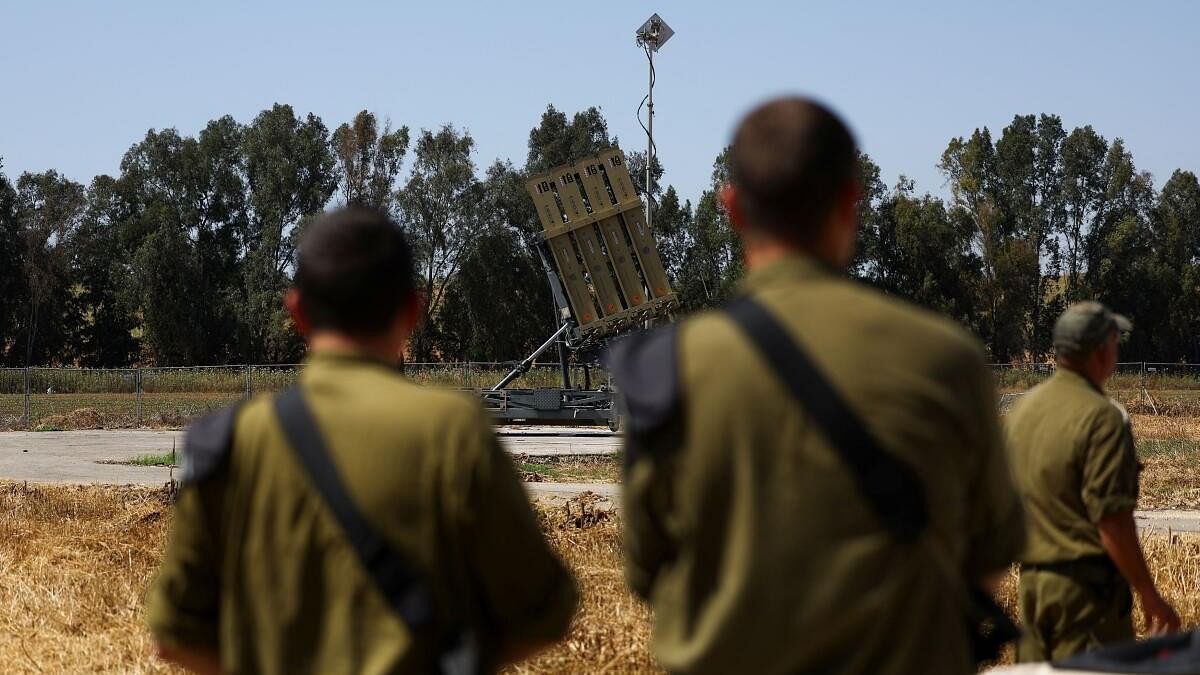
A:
{"points": [[1168, 520], [609, 491], [75, 456]]}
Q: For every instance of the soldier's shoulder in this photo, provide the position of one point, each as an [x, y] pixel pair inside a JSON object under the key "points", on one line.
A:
{"points": [[394, 389], [1108, 413], [208, 441], [463, 407], [432, 410], [1119, 411], [925, 330]]}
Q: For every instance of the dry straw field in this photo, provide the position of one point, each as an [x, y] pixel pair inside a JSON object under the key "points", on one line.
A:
{"points": [[75, 561]]}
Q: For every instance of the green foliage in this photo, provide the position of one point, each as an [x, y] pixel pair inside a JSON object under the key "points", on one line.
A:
{"points": [[555, 141], [437, 207], [368, 160], [158, 459], [12, 279], [290, 173], [49, 210], [183, 221], [700, 249], [499, 303], [105, 335], [911, 247], [183, 257]]}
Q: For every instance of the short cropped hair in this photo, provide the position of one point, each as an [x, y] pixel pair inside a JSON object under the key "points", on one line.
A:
{"points": [[354, 271], [791, 160]]}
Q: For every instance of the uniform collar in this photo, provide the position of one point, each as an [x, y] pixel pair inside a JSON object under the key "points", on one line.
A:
{"points": [[792, 267], [1074, 379]]}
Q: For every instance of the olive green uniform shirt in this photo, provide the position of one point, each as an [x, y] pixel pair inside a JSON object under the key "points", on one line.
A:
{"points": [[1074, 460], [258, 567], [747, 532]]}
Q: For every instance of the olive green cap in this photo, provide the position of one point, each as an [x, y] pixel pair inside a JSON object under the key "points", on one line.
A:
{"points": [[1084, 325]]}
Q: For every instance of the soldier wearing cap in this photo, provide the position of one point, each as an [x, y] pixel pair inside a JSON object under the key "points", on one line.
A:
{"points": [[260, 576], [1076, 467], [745, 528]]}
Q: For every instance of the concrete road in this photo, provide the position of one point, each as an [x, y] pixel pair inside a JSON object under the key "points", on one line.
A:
{"points": [[607, 491], [1171, 520], [77, 456]]}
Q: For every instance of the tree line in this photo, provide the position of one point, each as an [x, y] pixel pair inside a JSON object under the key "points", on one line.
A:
{"points": [[182, 257]]}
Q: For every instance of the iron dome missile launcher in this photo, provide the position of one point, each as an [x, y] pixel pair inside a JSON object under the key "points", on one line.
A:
{"points": [[605, 275]]}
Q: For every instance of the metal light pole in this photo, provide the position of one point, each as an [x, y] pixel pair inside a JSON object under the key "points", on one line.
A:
{"points": [[651, 36]]}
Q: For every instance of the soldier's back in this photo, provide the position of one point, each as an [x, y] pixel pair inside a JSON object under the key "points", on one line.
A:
{"points": [[783, 567], [1073, 457], [423, 467]]}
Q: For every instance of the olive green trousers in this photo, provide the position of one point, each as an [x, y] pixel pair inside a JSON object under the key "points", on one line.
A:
{"points": [[1070, 609]]}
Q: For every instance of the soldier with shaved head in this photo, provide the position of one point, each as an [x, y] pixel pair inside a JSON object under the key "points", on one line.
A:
{"points": [[815, 479]]}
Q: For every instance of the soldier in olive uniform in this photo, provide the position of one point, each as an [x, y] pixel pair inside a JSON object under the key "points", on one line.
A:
{"points": [[744, 528], [1076, 469], [259, 576]]}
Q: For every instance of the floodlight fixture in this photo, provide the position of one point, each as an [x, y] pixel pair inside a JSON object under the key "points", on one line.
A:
{"points": [[651, 36], [654, 33]]}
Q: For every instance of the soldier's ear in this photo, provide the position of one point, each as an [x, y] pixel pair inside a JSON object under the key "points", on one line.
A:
{"points": [[731, 202], [295, 309], [846, 223], [413, 310], [850, 197]]}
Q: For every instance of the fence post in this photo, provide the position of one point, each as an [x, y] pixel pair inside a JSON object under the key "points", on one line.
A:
{"points": [[137, 383], [28, 421], [249, 382]]}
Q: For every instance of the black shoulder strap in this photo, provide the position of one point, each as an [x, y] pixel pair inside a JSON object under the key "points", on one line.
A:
{"points": [[391, 572], [888, 484], [207, 444], [645, 369]]}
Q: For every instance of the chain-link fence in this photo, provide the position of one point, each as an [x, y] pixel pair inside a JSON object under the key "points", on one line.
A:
{"points": [[1015, 377], [95, 398], [1141, 386]]}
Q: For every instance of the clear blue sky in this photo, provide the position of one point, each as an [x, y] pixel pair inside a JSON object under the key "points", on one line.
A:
{"points": [[82, 81]]}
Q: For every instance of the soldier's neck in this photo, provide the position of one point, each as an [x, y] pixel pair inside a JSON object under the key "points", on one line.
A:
{"points": [[1087, 371], [834, 245], [762, 252], [386, 348]]}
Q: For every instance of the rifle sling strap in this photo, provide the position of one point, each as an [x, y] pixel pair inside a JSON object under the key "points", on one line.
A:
{"points": [[395, 577], [889, 485]]}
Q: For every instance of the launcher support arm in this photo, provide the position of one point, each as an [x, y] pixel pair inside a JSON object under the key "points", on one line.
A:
{"points": [[524, 366]]}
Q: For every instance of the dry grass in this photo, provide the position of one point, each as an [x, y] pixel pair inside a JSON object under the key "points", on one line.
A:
{"points": [[1164, 428], [1173, 561], [569, 468], [611, 632], [75, 562], [1169, 449], [1170, 477]]}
